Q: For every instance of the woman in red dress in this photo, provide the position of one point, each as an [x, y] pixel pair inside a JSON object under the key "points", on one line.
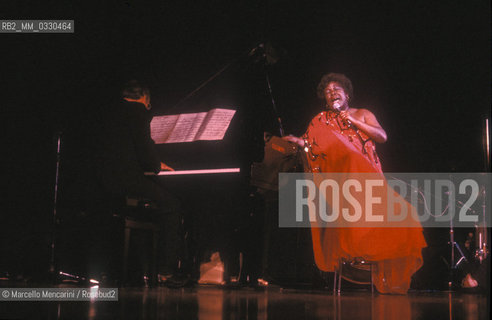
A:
{"points": [[342, 139]]}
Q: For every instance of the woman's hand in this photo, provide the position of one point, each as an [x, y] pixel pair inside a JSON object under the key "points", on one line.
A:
{"points": [[345, 115], [364, 120]]}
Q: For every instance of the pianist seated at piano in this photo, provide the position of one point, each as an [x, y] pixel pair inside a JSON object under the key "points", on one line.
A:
{"points": [[127, 152]]}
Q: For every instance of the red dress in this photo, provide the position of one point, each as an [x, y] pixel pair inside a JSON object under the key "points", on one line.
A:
{"points": [[333, 147]]}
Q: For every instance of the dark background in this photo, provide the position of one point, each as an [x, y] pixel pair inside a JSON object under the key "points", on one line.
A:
{"points": [[422, 67]]}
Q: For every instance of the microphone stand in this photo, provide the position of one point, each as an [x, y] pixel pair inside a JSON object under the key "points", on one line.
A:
{"points": [[275, 111], [52, 267], [454, 246], [482, 234], [267, 55], [54, 272]]}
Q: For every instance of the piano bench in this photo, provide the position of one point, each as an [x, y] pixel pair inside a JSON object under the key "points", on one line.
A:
{"points": [[137, 221]]}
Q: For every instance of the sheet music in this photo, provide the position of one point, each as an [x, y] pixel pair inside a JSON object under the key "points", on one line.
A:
{"points": [[217, 122], [161, 128], [186, 127], [189, 127]]}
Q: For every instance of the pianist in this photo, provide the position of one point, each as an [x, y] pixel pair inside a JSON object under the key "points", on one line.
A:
{"points": [[127, 152]]}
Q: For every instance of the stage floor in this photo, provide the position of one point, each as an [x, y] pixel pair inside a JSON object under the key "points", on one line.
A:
{"points": [[246, 303]]}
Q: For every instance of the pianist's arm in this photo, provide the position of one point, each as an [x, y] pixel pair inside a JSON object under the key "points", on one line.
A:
{"points": [[144, 145]]}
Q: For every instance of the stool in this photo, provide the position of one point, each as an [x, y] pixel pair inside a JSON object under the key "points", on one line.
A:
{"points": [[135, 224], [357, 262]]}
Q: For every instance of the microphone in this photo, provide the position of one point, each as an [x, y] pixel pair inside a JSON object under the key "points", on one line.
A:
{"points": [[337, 106]]}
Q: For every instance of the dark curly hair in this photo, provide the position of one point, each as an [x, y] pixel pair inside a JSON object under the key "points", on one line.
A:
{"points": [[134, 89], [335, 77]]}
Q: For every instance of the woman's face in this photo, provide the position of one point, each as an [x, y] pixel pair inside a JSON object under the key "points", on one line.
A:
{"points": [[335, 96]]}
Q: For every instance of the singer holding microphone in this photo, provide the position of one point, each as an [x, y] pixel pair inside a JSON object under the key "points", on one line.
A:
{"points": [[340, 130], [336, 89], [342, 139]]}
